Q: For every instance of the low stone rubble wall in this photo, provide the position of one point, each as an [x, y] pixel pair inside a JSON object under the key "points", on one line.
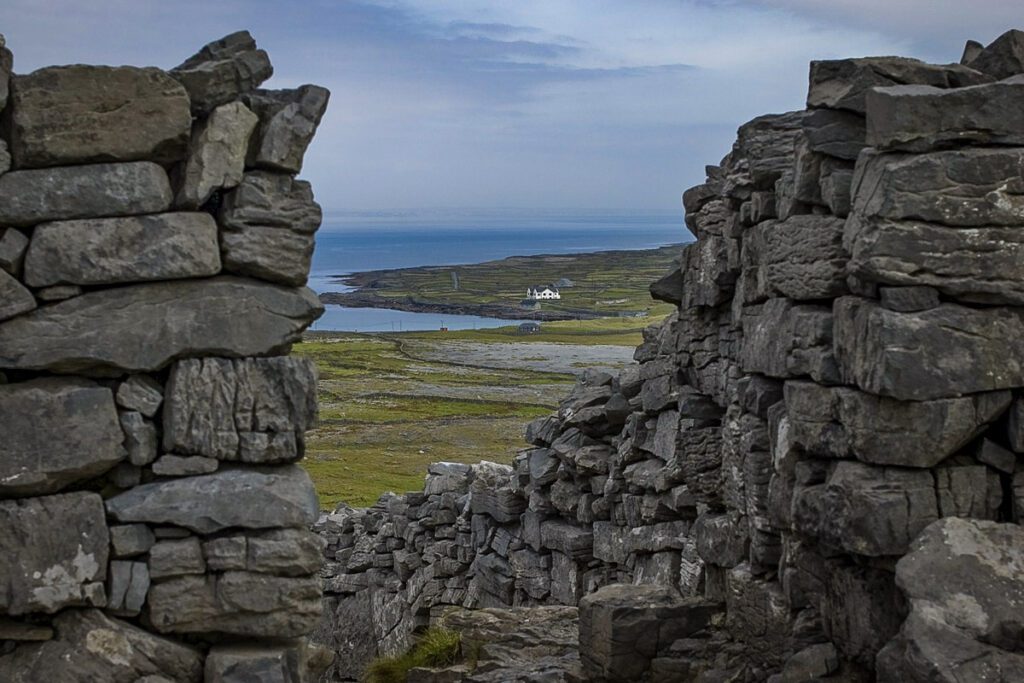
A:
{"points": [[820, 451], [154, 244]]}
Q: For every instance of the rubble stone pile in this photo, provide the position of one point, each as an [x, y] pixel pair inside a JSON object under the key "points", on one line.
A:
{"points": [[154, 244], [815, 471]]}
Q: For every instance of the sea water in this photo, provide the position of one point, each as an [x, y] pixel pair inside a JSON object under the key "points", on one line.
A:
{"points": [[351, 242]]}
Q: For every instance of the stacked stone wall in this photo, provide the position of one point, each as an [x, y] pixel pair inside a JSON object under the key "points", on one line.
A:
{"points": [[821, 451], [154, 244]]}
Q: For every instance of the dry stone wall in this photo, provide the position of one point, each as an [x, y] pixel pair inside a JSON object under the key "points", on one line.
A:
{"points": [[154, 247], [815, 471]]}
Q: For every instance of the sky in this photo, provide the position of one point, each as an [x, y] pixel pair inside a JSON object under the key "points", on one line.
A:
{"points": [[552, 104]]}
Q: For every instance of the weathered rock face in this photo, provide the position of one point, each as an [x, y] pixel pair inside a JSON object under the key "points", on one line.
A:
{"points": [[269, 221], [288, 121], [243, 498], [145, 327], [91, 191], [54, 553], [1003, 58], [216, 154], [253, 410], [222, 71], [121, 518], [80, 114], [56, 433], [112, 250]]}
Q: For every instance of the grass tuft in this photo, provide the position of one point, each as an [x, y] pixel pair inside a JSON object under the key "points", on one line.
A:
{"points": [[435, 647]]}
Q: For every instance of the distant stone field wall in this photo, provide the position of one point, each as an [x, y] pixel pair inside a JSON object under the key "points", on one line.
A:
{"points": [[822, 450], [154, 244]]}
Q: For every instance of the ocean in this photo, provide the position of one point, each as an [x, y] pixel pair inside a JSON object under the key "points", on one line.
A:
{"points": [[356, 241]]}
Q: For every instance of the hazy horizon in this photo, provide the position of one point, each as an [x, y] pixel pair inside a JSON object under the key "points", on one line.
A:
{"points": [[537, 104]]}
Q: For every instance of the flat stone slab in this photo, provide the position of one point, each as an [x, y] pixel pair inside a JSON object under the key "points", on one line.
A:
{"points": [[91, 646], [144, 327], [976, 265], [223, 70], [961, 188], [943, 352], [839, 422], [279, 498], [81, 114], [237, 603], [101, 251], [254, 410], [919, 118], [53, 552], [56, 432], [90, 191], [804, 258], [843, 83]]}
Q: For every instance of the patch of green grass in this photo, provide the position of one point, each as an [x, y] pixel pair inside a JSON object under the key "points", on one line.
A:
{"points": [[610, 331], [436, 647]]}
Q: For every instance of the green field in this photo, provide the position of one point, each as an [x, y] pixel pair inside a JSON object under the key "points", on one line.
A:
{"points": [[606, 283], [385, 414]]}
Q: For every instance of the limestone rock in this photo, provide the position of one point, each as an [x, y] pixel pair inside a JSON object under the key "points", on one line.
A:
{"points": [[127, 587], [295, 662], [976, 265], [6, 64], [113, 250], [140, 328], [139, 438], [90, 191], [919, 118], [843, 83], [961, 188], [82, 114], [282, 497], [288, 122], [15, 299], [222, 71], [53, 552], [964, 579], [56, 432], [91, 646], [184, 466], [129, 540], [269, 221], [237, 603], [216, 156], [845, 423], [252, 410], [1003, 58], [943, 352], [837, 133], [176, 557], [13, 244], [140, 393], [57, 293], [784, 339], [804, 258]]}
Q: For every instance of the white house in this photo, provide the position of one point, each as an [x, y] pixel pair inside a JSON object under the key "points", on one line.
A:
{"points": [[543, 292]]}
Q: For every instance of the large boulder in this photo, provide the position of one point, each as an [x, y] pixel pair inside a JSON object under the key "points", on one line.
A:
{"points": [[288, 122], [237, 603], [804, 258], [1002, 58], [216, 156], [254, 409], [90, 191], [90, 646], [145, 327], [843, 83], [268, 224], [942, 352], [964, 579], [250, 499], [960, 188], [839, 422], [222, 71], [102, 251], [80, 114], [975, 265], [53, 553], [56, 432], [919, 118]]}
